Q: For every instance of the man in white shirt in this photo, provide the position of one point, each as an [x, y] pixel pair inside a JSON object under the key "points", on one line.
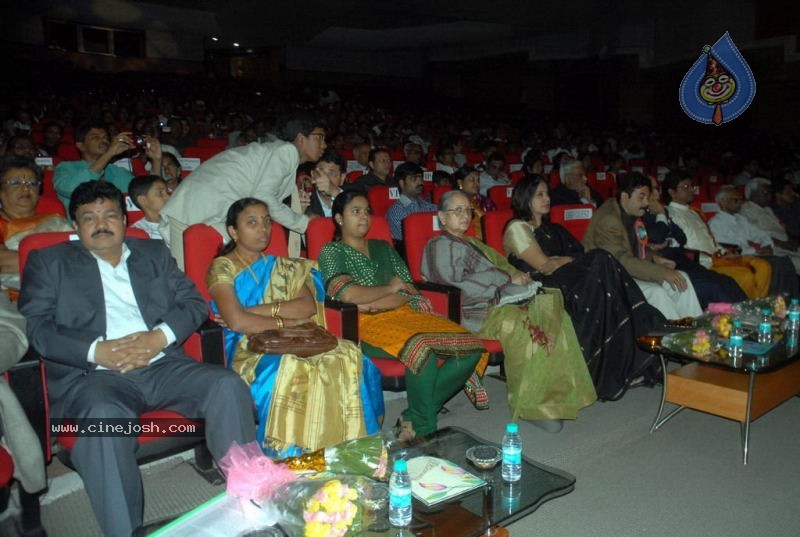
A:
{"points": [[109, 315], [493, 173], [751, 273], [756, 209], [731, 228]]}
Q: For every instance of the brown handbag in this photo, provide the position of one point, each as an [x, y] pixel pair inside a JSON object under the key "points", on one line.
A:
{"points": [[303, 340]]}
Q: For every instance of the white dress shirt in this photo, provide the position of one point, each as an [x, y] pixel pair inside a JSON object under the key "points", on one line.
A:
{"points": [[764, 218], [698, 237], [123, 316], [736, 229]]}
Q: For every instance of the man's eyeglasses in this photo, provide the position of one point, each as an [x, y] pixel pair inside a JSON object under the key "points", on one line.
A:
{"points": [[460, 211], [18, 183]]}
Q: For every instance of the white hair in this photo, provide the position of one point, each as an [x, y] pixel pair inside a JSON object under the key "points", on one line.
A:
{"points": [[567, 167], [753, 184], [723, 192]]}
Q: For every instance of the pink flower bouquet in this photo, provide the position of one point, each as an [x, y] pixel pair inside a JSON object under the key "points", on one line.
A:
{"points": [[321, 507]]}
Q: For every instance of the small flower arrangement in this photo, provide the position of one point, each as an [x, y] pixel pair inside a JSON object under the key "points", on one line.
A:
{"points": [[701, 344], [721, 324], [696, 343], [331, 510]]}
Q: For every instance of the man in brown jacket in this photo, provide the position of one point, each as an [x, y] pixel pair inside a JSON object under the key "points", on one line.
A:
{"points": [[617, 227]]}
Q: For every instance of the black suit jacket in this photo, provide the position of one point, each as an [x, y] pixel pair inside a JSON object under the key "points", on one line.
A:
{"points": [[62, 300], [561, 195]]}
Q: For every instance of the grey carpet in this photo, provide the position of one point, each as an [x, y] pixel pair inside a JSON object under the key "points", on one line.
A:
{"points": [[686, 480]]}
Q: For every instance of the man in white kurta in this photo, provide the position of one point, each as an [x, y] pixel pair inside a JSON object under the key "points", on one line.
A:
{"points": [[757, 211], [263, 171]]}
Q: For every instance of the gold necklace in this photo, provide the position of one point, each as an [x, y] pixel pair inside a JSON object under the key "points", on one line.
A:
{"points": [[247, 265]]}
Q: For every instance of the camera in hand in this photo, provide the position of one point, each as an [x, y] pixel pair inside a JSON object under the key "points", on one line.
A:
{"points": [[140, 141]]}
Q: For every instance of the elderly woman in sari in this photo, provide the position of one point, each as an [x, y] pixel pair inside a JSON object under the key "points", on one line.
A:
{"points": [[606, 306], [302, 403], [20, 180], [395, 320], [547, 376]]}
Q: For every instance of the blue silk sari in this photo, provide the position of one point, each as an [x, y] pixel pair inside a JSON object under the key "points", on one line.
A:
{"points": [[252, 288]]}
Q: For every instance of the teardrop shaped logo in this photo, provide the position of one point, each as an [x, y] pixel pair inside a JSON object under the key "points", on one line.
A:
{"points": [[720, 85]]}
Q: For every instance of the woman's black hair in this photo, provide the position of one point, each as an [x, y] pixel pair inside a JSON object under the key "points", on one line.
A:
{"points": [[523, 193], [461, 174], [339, 203], [233, 215]]}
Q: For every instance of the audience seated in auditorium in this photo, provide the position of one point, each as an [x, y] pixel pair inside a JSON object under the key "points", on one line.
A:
{"points": [[409, 181], [328, 176], [252, 293], [547, 377], [109, 315], [445, 159], [493, 173], [732, 229], [21, 145], [360, 162], [265, 171], [574, 188], [607, 309], [467, 180], [380, 165], [20, 183], [668, 240], [753, 275], [97, 160], [171, 171], [149, 193], [758, 212], [750, 170], [52, 138], [371, 274], [617, 227], [412, 152], [786, 207]]}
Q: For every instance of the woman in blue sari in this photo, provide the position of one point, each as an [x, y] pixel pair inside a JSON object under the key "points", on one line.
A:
{"points": [[303, 404]]}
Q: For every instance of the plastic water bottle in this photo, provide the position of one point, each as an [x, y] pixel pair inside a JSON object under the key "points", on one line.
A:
{"points": [[736, 341], [793, 317], [512, 454], [400, 495], [765, 327]]}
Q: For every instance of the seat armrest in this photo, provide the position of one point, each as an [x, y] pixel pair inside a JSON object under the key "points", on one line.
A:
{"points": [[342, 319], [212, 343], [26, 380], [446, 298]]}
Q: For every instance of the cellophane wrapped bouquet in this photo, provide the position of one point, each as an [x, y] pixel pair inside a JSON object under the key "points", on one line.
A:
{"points": [[315, 494], [751, 309], [697, 343]]}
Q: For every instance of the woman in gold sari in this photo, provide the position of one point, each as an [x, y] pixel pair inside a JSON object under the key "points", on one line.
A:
{"points": [[302, 403]]}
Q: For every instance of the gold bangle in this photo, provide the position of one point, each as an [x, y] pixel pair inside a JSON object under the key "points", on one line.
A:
{"points": [[277, 307], [279, 322]]}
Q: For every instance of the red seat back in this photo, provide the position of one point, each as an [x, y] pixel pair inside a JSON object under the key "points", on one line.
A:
{"points": [[501, 196], [201, 244], [575, 218], [494, 223], [438, 192], [50, 205], [320, 232], [418, 229], [603, 182], [381, 198], [43, 240]]}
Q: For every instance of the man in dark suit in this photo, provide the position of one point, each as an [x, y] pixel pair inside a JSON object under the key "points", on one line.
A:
{"points": [[109, 315]]}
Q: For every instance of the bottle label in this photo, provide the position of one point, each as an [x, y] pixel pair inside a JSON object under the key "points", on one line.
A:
{"points": [[736, 340], [512, 456], [794, 315], [400, 498], [765, 328]]}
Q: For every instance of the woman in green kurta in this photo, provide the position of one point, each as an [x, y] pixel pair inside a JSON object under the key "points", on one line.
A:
{"points": [[395, 320], [547, 375]]}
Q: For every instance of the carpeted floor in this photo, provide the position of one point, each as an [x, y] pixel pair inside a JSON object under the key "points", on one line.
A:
{"points": [[686, 480]]}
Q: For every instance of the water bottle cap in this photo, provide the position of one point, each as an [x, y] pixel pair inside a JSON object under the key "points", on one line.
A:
{"points": [[766, 311], [512, 428], [737, 324], [400, 465]]}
